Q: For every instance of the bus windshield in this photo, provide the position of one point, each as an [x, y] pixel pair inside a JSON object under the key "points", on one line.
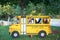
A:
{"points": [[15, 20]]}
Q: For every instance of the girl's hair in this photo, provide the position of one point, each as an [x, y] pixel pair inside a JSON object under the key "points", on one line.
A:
{"points": [[45, 21]]}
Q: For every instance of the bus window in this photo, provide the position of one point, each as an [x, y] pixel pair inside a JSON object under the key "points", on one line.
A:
{"points": [[38, 20], [45, 20], [30, 20], [15, 20], [18, 20]]}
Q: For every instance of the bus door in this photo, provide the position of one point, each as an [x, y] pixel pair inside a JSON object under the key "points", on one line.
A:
{"points": [[23, 25]]}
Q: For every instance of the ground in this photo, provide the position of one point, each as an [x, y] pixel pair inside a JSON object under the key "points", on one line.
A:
{"points": [[4, 35]]}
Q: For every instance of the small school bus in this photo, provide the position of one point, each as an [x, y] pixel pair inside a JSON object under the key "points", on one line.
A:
{"points": [[30, 25]]}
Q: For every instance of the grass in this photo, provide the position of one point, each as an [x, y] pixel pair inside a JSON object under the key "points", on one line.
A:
{"points": [[4, 35], [55, 28]]}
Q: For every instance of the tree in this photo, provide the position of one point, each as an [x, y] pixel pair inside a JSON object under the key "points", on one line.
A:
{"points": [[0, 10], [9, 11]]}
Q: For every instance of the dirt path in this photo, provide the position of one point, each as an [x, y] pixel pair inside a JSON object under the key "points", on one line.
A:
{"points": [[55, 32]]}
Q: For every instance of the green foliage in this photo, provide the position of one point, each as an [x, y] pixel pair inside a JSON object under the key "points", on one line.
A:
{"points": [[8, 1], [8, 10], [29, 8], [0, 10], [32, 9], [44, 7]]}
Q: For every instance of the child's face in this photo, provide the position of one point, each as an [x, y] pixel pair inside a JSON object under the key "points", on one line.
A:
{"points": [[45, 19]]}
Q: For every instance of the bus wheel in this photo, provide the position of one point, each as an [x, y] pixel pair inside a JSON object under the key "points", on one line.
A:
{"points": [[42, 34], [15, 34]]}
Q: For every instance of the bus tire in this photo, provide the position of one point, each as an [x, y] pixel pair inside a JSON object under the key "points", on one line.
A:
{"points": [[42, 34], [15, 34]]}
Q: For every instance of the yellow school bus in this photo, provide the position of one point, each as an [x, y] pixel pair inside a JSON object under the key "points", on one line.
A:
{"points": [[30, 25]]}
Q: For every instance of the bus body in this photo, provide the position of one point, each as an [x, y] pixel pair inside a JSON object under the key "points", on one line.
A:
{"points": [[31, 25]]}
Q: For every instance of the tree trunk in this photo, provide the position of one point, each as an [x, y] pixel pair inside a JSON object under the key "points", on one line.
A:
{"points": [[21, 4], [8, 19], [22, 8]]}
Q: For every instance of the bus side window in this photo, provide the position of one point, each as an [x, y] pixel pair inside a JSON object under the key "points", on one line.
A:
{"points": [[45, 20], [18, 20], [38, 20], [30, 20]]}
